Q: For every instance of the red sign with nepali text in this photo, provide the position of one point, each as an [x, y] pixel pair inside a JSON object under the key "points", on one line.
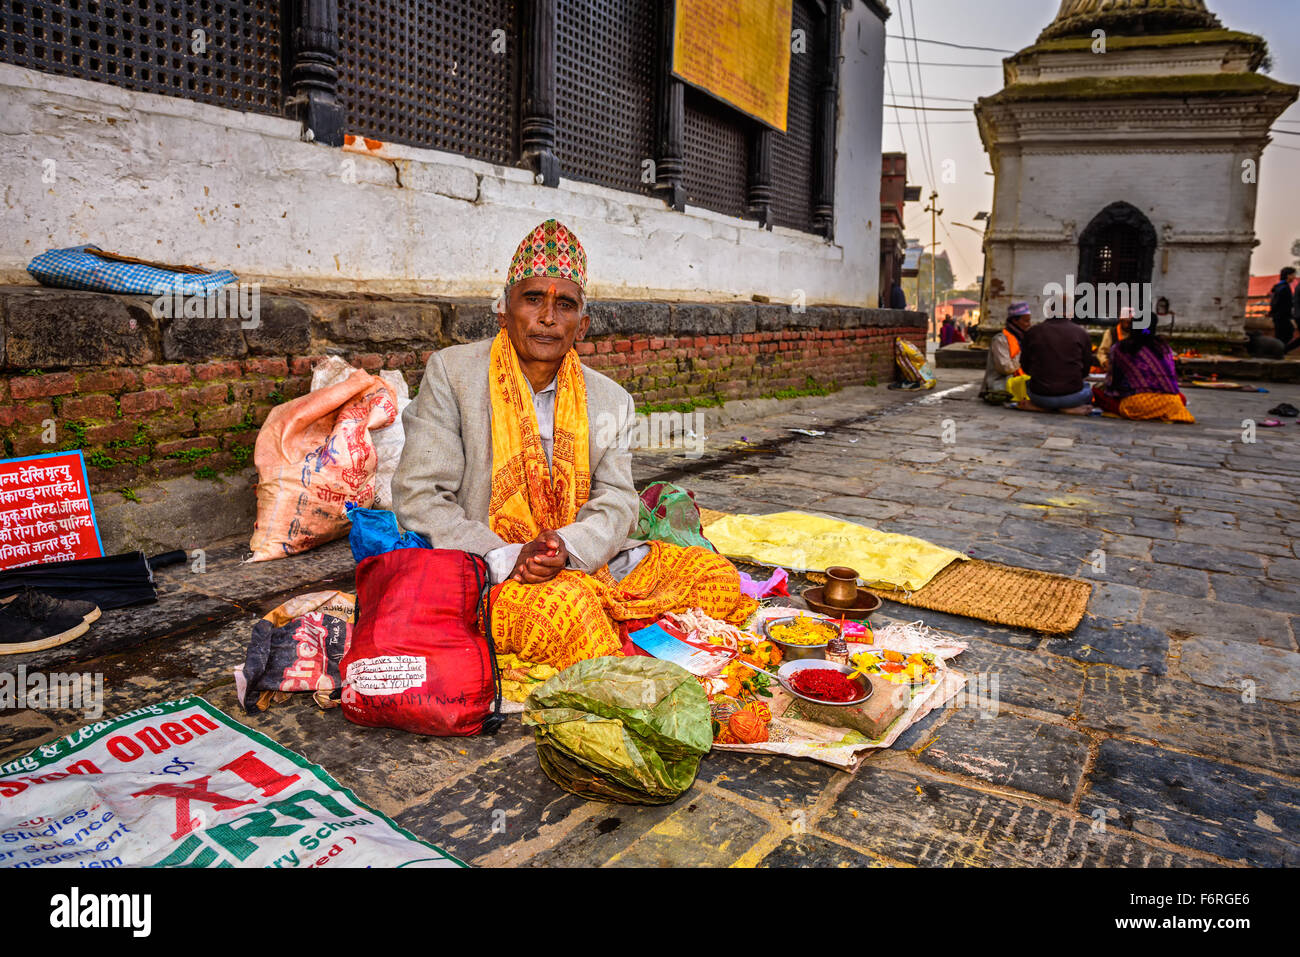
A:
{"points": [[45, 511]]}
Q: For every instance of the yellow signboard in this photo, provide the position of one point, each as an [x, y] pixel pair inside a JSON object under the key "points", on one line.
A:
{"points": [[738, 51]]}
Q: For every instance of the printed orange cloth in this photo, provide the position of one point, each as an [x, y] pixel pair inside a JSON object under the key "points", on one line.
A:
{"points": [[1156, 405], [572, 617]]}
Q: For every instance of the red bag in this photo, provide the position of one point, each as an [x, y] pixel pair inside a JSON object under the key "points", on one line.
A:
{"points": [[419, 659]]}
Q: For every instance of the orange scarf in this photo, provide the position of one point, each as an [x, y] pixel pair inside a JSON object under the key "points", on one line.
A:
{"points": [[527, 496]]}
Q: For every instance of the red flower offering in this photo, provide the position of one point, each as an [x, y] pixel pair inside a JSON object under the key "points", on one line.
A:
{"points": [[825, 684]]}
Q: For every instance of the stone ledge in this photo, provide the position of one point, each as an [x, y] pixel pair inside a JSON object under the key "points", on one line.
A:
{"points": [[960, 356], [46, 328]]}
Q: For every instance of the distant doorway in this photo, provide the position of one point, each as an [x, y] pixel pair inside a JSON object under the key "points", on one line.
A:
{"points": [[1119, 246]]}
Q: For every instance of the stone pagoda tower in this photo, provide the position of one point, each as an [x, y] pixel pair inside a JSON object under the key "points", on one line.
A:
{"points": [[1126, 144]]}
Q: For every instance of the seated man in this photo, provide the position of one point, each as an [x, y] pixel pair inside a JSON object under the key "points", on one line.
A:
{"points": [[1004, 355], [1113, 336], [1057, 354], [505, 458]]}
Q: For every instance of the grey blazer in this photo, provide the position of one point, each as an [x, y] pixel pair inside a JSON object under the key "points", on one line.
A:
{"points": [[444, 479]]}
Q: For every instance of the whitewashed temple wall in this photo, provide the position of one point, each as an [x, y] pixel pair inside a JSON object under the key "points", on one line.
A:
{"points": [[167, 179]]}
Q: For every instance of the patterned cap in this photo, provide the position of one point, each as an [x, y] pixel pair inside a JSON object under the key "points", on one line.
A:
{"points": [[1019, 309], [551, 250]]}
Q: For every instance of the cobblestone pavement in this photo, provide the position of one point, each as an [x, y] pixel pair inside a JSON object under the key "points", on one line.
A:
{"points": [[1164, 731]]}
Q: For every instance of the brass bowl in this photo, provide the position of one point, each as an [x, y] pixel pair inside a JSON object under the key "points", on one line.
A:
{"points": [[790, 652], [841, 588]]}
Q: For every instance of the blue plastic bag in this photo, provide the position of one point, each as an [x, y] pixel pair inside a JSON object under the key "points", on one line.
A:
{"points": [[375, 531]]}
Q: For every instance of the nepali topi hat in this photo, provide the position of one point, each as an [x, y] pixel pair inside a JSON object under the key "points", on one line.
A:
{"points": [[552, 251]]}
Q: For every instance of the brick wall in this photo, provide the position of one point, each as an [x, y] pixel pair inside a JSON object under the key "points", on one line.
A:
{"points": [[149, 399]]}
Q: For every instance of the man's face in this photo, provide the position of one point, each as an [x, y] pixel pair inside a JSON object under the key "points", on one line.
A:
{"points": [[544, 317], [1021, 322]]}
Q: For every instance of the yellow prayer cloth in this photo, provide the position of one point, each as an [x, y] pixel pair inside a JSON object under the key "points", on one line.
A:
{"points": [[803, 542], [1155, 405], [572, 617]]}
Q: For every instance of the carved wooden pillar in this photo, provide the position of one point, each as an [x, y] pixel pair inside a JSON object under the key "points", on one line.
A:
{"points": [[828, 91], [759, 190], [314, 75], [670, 117], [537, 130]]}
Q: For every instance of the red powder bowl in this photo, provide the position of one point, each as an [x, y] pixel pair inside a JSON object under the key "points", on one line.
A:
{"points": [[826, 685]]}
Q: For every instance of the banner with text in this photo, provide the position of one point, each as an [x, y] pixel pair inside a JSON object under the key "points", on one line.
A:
{"points": [[45, 511], [180, 784], [738, 51]]}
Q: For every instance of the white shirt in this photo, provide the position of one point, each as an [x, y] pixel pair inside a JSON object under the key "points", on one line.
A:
{"points": [[501, 561]]}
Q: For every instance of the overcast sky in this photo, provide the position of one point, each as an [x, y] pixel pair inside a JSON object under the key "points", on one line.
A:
{"points": [[1013, 25]]}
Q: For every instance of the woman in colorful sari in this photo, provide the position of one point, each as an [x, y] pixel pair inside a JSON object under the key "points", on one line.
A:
{"points": [[1142, 382]]}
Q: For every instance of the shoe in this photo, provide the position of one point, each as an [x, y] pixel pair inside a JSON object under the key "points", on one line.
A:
{"points": [[35, 621], [1286, 409], [88, 610]]}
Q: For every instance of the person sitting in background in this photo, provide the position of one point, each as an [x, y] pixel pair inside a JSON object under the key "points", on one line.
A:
{"points": [[1113, 335], [1142, 382], [1004, 355], [1057, 354], [950, 332]]}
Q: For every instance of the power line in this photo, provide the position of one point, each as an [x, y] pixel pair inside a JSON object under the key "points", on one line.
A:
{"points": [[929, 109], [898, 117], [945, 43], [950, 99], [982, 66], [920, 137], [920, 79]]}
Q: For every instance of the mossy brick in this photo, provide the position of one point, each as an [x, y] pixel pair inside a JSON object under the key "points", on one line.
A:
{"points": [[166, 449], [400, 360], [211, 420], [154, 376], [209, 371], [42, 386], [31, 444], [33, 413], [89, 407], [118, 431], [278, 368], [137, 403], [161, 426]]}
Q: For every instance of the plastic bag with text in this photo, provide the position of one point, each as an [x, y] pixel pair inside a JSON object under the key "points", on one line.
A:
{"points": [[314, 453]]}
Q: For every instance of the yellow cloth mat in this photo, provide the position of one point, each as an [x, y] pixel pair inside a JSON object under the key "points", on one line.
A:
{"points": [[802, 542]]}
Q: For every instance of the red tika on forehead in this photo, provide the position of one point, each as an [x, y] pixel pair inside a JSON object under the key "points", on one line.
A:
{"points": [[550, 250]]}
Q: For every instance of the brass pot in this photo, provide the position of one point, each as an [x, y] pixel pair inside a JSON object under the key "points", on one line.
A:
{"points": [[841, 588]]}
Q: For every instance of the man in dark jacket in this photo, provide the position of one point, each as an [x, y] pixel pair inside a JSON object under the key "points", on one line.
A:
{"points": [[1284, 309], [1057, 355]]}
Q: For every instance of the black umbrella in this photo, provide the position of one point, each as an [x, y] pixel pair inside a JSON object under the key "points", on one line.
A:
{"points": [[114, 581]]}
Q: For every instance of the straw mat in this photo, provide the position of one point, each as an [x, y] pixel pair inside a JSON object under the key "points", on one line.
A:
{"points": [[987, 591], [1003, 595]]}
